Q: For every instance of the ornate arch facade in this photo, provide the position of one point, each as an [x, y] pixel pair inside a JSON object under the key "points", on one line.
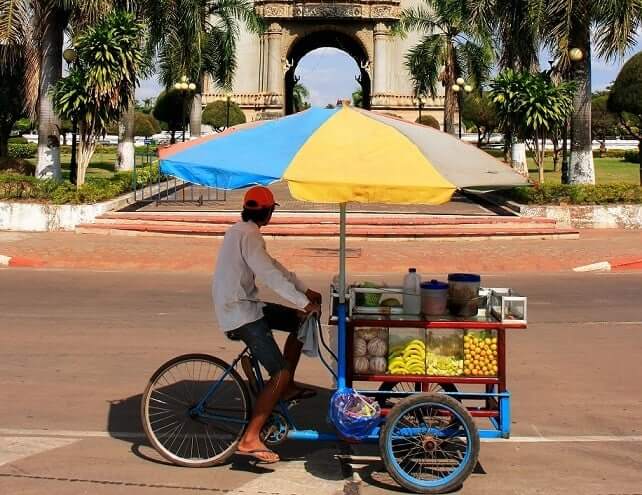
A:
{"points": [[362, 28]]}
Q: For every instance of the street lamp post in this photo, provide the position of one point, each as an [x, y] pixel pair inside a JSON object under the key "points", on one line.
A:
{"points": [[185, 87], [70, 57], [460, 87], [419, 100]]}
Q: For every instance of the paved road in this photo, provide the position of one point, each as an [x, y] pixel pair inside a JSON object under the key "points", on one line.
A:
{"points": [[77, 347]]}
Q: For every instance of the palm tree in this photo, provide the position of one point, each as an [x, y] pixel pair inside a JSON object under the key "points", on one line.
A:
{"points": [[101, 84], [197, 39], [42, 23], [568, 26], [516, 28], [454, 45]]}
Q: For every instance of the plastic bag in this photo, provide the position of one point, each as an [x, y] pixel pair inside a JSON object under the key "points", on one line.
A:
{"points": [[354, 415]]}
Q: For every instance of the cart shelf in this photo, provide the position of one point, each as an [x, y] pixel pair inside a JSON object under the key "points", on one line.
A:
{"points": [[478, 323], [483, 380]]}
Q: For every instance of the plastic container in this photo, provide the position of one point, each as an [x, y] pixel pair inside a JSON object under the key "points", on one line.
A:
{"points": [[407, 351], [463, 294], [480, 353], [445, 352], [434, 298], [412, 292]]}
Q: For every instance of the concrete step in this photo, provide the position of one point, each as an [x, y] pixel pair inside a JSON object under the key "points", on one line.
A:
{"points": [[332, 230], [331, 219]]}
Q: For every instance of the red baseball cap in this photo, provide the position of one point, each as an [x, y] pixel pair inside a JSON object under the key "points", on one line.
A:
{"points": [[258, 197]]}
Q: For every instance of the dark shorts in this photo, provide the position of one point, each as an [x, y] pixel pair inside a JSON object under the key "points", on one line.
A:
{"points": [[258, 335]]}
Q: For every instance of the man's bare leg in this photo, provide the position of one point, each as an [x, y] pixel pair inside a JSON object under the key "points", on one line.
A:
{"points": [[263, 407], [292, 354]]}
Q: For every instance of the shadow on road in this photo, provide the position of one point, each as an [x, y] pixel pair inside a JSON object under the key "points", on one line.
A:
{"points": [[124, 423]]}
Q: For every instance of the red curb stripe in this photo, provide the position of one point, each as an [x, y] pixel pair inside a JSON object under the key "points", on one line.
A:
{"points": [[19, 262]]}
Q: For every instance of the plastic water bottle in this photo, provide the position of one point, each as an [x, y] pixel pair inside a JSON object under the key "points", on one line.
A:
{"points": [[412, 292]]}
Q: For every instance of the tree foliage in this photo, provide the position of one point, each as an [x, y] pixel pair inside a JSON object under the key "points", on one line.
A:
{"points": [[12, 103], [626, 99], [101, 83], [300, 95], [196, 37], [172, 109], [453, 45], [531, 106], [480, 113], [215, 114], [603, 122]]}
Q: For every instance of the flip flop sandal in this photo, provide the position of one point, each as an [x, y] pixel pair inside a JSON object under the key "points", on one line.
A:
{"points": [[253, 454]]}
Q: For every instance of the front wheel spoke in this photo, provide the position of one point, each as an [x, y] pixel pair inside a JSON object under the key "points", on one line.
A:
{"points": [[169, 397]]}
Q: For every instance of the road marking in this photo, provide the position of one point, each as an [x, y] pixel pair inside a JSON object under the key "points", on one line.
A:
{"points": [[13, 448], [569, 439], [78, 434]]}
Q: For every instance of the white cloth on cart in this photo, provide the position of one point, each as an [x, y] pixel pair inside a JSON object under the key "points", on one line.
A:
{"points": [[309, 336]]}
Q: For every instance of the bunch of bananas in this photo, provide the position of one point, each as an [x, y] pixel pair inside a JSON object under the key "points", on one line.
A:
{"points": [[408, 359]]}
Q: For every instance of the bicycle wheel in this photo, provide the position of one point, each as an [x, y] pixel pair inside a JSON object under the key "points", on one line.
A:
{"points": [[429, 443], [184, 434], [412, 387]]}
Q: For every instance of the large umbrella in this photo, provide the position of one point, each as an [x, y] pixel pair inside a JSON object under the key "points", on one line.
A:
{"points": [[338, 156]]}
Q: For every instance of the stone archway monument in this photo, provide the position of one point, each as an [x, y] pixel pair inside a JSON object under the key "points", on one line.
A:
{"points": [[362, 28]]}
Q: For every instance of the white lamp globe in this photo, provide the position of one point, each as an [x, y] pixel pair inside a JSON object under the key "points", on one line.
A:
{"points": [[178, 86], [192, 86], [456, 88], [468, 88], [460, 81], [575, 54]]}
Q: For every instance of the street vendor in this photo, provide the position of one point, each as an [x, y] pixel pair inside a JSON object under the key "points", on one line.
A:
{"points": [[242, 316]]}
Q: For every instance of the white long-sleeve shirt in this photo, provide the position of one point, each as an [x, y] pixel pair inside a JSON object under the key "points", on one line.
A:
{"points": [[242, 259]]}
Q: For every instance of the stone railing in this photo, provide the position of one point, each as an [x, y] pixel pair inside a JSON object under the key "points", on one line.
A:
{"points": [[247, 100], [403, 101], [363, 9]]}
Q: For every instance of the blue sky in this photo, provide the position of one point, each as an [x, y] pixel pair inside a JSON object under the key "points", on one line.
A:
{"points": [[329, 75]]}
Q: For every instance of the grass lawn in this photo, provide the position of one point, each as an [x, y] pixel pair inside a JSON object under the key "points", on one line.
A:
{"points": [[100, 166], [607, 171]]}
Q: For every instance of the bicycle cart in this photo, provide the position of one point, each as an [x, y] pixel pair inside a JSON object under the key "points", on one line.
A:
{"points": [[195, 407]]}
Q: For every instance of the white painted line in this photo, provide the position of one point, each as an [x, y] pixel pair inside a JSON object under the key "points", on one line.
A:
{"points": [[18, 432], [569, 439], [5, 260], [13, 448], [602, 266], [69, 433]]}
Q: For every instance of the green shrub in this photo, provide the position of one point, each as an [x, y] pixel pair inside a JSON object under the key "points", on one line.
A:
{"points": [[216, 113], [631, 156], [18, 140], [18, 166], [23, 151], [16, 186], [575, 194], [429, 120]]}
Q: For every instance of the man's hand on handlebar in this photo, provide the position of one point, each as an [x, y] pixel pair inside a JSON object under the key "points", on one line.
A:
{"points": [[313, 296], [313, 308]]}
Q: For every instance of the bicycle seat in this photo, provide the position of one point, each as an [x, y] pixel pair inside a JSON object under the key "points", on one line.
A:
{"points": [[233, 335]]}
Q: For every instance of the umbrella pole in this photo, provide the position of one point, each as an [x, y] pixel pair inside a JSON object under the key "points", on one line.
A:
{"points": [[341, 379]]}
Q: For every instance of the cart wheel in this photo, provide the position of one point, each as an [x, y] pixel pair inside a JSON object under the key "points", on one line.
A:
{"points": [[431, 388], [429, 443]]}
